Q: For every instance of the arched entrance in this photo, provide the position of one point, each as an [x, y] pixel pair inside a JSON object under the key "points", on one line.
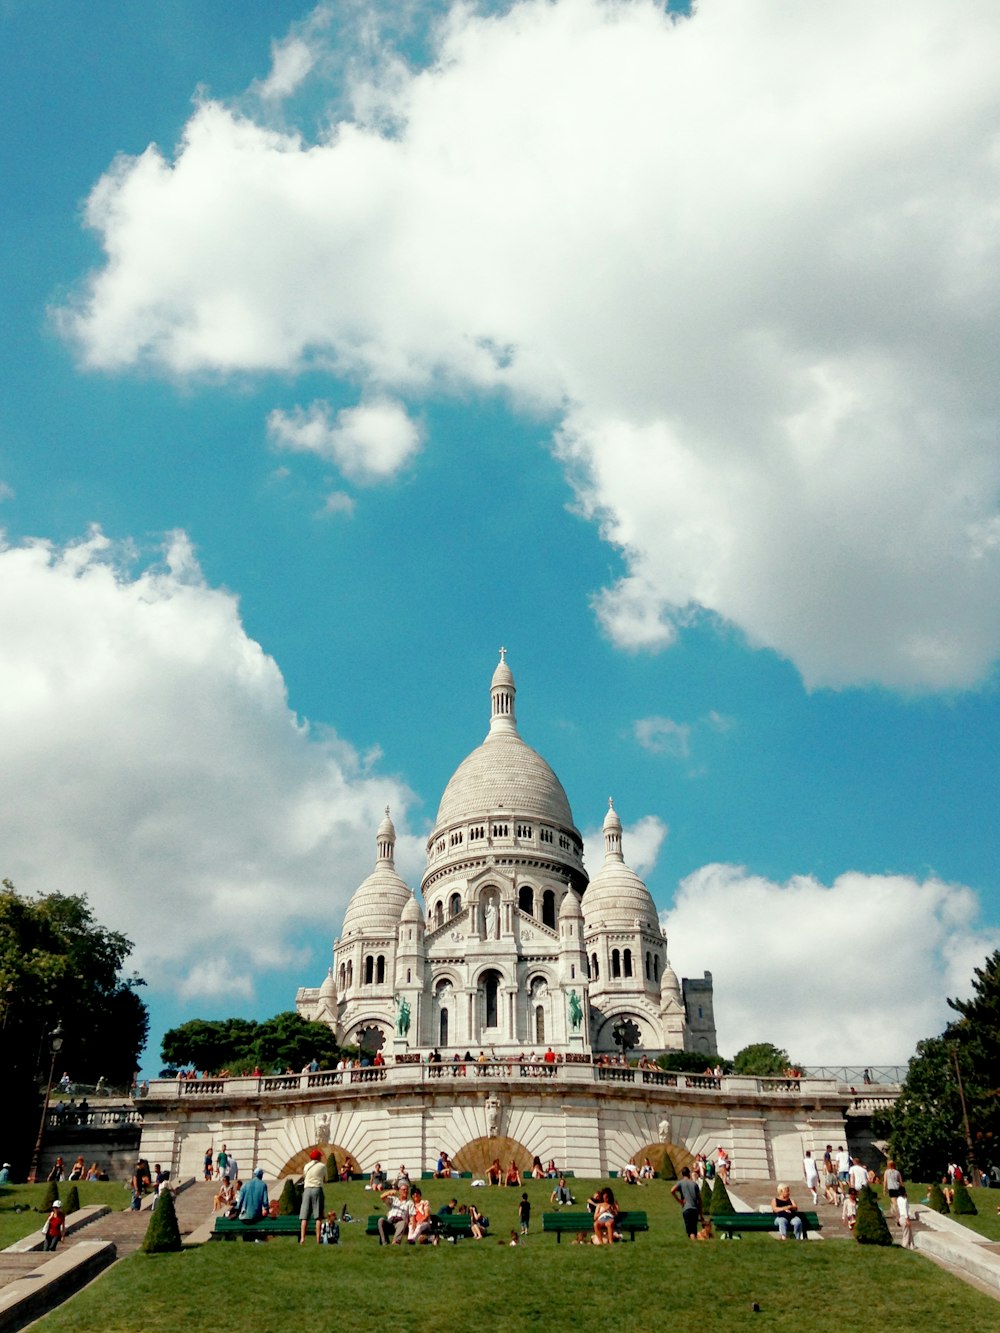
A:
{"points": [[296, 1165], [477, 1155], [667, 1158]]}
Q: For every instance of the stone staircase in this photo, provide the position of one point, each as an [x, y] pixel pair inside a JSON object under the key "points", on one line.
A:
{"points": [[126, 1230]]}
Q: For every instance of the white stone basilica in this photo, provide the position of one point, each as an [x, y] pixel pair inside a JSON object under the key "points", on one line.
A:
{"points": [[515, 948]]}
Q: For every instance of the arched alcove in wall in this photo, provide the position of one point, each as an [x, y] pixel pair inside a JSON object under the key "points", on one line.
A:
{"points": [[667, 1158], [297, 1164], [477, 1155]]}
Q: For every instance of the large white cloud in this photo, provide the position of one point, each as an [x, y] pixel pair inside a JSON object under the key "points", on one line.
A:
{"points": [[856, 971], [751, 257], [151, 761]]}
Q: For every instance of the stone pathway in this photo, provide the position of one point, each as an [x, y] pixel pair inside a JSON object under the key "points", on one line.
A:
{"points": [[128, 1229]]}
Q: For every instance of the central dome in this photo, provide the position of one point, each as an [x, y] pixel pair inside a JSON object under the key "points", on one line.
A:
{"points": [[504, 775]]}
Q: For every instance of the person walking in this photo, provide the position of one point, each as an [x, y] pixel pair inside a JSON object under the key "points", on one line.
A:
{"points": [[55, 1227]]}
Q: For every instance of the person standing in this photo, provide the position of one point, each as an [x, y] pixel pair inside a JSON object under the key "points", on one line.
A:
{"points": [[688, 1195], [208, 1162], [524, 1214], [222, 1165], [313, 1203], [811, 1176], [55, 1227]]}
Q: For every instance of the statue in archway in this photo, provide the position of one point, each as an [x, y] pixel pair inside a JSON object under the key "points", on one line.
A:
{"points": [[322, 1125], [402, 1015], [491, 918], [492, 1115], [663, 1129], [575, 1011]]}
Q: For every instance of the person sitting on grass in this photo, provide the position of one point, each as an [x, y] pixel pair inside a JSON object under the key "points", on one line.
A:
{"points": [[561, 1194], [537, 1170], [605, 1217], [513, 1239], [647, 1172], [786, 1214], [376, 1181], [513, 1174], [477, 1222], [494, 1175]]}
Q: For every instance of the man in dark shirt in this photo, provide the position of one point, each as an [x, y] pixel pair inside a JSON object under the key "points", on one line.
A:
{"points": [[688, 1195]]}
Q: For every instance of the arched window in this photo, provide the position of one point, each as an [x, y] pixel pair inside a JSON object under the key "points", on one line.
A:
{"points": [[409, 975], [350, 975], [628, 962], [380, 970], [343, 976], [616, 963], [491, 999], [456, 904], [649, 966], [369, 970], [595, 971], [526, 899], [438, 914], [549, 909], [443, 1025], [539, 1024], [656, 968]]}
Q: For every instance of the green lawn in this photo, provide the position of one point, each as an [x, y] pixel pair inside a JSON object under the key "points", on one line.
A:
{"points": [[358, 1286], [14, 1225], [986, 1222]]}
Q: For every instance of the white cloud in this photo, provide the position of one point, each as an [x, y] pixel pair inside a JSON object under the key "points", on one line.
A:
{"points": [[6, 492], [661, 735], [369, 443], [338, 502], [150, 754], [849, 973], [750, 257], [292, 62], [641, 844]]}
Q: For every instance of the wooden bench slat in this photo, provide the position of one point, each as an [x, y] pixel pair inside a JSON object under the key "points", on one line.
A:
{"points": [[559, 1223]]}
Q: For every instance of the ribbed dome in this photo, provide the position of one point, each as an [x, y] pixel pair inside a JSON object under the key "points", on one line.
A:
{"points": [[617, 899], [378, 902], [504, 775]]}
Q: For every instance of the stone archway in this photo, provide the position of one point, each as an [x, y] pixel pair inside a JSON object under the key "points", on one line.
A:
{"points": [[667, 1158], [477, 1155], [296, 1165]]}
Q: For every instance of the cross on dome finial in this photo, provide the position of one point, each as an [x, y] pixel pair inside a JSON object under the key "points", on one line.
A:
{"points": [[503, 654]]}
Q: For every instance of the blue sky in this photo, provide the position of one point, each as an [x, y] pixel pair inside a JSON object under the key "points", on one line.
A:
{"points": [[660, 350]]}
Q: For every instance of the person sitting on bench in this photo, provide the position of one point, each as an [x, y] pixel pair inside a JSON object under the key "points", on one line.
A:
{"points": [[786, 1214]]}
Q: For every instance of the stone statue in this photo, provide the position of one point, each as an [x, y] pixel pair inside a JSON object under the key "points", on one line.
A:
{"points": [[322, 1129], [402, 1016], [663, 1129], [575, 1011], [492, 1115], [492, 917]]}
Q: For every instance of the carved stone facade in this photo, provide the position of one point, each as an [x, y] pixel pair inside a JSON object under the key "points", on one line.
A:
{"points": [[514, 948]]}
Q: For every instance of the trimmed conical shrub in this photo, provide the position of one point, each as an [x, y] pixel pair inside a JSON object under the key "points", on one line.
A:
{"points": [[163, 1235], [667, 1169], [71, 1201], [936, 1200], [49, 1197], [962, 1202], [720, 1201], [706, 1197], [288, 1204], [331, 1168], [870, 1226]]}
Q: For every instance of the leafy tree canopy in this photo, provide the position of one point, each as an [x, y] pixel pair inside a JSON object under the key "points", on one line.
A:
{"points": [[59, 965], [926, 1129], [285, 1041], [762, 1059], [691, 1062]]}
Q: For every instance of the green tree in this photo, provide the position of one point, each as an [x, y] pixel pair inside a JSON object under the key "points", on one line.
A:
{"points": [[285, 1041], [926, 1128], [59, 965], [762, 1060], [71, 1201], [720, 1201], [963, 1202], [936, 1199], [288, 1204], [689, 1062], [163, 1235], [870, 1226]]}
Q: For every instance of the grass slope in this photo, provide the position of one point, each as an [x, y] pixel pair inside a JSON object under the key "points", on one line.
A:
{"points": [[358, 1286], [14, 1225]]}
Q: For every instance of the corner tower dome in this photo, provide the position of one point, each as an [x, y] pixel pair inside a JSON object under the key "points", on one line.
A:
{"points": [[504, 776], [377, 904], [617, 899]]}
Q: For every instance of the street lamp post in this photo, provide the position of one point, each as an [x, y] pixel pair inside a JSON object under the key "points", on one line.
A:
{"points": [[55, 1044]]}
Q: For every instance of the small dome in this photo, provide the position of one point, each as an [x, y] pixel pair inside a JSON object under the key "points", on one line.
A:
{"points": [[503, 674], [669, 985], [617, 899], [328, 990], [376, 905], [411, 911], [570, 908]]}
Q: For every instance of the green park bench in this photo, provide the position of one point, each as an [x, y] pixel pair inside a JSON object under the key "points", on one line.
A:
{"points": [[455, 1175], [227, 1228], [729, 1223], [559, 1223], [458, 1225]]}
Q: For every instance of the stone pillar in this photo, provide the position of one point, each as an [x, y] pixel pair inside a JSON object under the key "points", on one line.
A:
{"points": [[749, 1149]]}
